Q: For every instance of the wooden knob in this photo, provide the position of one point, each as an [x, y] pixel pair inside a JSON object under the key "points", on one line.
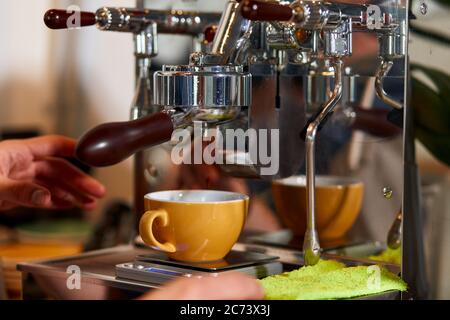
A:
{"points": [[265, 11], [210, 33], [111, 143], [57, 19]]}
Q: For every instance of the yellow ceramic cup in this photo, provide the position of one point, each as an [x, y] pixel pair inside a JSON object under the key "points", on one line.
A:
{"points": [[193, 225], [338, 204]]}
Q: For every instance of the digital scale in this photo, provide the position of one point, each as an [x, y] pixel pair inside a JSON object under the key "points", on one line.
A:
{"points": [[105, 276], [157, 268]]}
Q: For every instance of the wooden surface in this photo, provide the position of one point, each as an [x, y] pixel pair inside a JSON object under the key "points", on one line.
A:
{"points": [[12, 254]]}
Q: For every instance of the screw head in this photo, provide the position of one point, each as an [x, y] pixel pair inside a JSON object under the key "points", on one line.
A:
{"points": [[387, 192]]}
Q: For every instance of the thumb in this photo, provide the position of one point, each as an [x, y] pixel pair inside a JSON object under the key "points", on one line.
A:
{"points": [[24, 193]]}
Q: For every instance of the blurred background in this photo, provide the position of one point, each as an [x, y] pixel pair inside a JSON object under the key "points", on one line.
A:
{"points": [[66, 82]]}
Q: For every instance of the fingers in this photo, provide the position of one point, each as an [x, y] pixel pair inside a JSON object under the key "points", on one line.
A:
{"points": [[42, 194], [6, 205], [24, 193], [57, 183], [65, 174], [51, 146], [232, 286], [65, 198]]}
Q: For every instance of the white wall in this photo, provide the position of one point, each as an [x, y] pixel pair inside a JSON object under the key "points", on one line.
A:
{"points": [[26, 84]]}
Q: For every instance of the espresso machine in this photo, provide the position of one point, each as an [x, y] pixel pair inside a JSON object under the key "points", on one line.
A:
{"points": [[282, 67]]}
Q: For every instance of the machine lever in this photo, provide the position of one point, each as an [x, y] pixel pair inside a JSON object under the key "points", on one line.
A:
{"points": [[111, 143], [60, 19]]}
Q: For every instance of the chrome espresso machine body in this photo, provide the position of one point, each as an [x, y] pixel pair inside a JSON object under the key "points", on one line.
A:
{"points": [[283, 67]]}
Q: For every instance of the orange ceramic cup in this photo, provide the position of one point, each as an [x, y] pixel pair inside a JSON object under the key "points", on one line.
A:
{"points": [[338, 204], [193, 225]]}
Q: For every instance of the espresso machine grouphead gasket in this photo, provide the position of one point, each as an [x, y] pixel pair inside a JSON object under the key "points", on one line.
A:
{"points": [[158, 268]]}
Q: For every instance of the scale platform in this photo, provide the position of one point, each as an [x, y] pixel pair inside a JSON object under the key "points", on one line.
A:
{"points": [[157, 268], [101, 278]]}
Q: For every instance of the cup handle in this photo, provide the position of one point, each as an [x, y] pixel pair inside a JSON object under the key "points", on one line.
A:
{"points": [[146, 229]]}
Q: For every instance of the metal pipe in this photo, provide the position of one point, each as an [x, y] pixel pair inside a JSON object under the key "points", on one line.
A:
{"points": [[145, 48], [383, 70], [168, 21], [232, 34], [311, 245]]}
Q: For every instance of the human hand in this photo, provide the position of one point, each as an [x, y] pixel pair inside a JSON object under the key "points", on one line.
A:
{"points": [[230, 286], [34, 174]]}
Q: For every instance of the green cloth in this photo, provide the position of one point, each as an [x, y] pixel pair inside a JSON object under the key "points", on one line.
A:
{"points": [[64, 229], [389, 255], [330, 280]]}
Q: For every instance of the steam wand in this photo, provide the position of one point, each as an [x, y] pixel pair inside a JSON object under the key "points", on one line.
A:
{"points": [[391, 46], [385, 67], [311, 245]]}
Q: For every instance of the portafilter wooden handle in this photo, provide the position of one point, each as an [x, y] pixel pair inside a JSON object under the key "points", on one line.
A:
{"points": [[111, 143]]}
